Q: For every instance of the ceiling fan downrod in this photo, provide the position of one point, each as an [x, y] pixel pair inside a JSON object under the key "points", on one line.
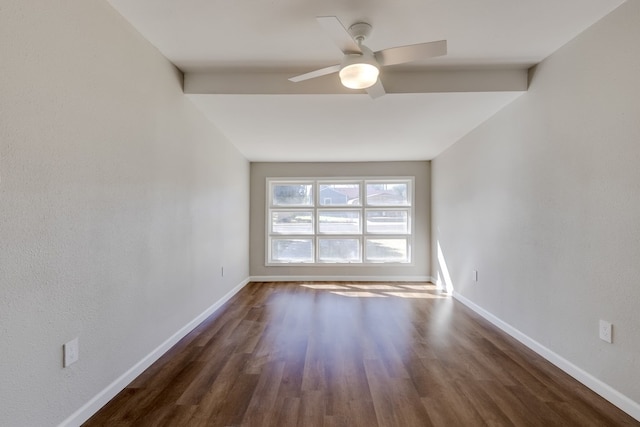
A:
{"points": [[360, 31]]}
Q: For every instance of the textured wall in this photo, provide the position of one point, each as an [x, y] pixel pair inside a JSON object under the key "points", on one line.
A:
{"points": [[544, 199], [119, 204], [421, 248]]}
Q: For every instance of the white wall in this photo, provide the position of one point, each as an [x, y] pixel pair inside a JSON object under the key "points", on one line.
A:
{"points": [[119, 204], [544, 201], [421, 248]]}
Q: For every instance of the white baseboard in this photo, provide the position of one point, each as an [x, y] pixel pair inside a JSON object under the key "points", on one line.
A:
{"points": [[342, 279], [606, 391], [102, 398]]}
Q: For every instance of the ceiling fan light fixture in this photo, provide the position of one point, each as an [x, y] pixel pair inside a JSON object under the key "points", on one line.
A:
{"points": [[359, 71], [359, 75]]}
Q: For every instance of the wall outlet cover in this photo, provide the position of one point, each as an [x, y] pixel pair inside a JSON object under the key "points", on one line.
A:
{"points": [[70, 352], [606, 331]]}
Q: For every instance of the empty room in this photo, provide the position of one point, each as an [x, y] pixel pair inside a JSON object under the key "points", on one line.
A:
{"points": [[338, 213]]}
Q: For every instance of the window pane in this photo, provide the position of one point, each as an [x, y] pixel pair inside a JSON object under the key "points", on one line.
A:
{"points": [[387, 250], [339, 222], [339, 194], [292, 222], [292, 250], [339, 250], [388, 194], [387, 222], [292, 194]]}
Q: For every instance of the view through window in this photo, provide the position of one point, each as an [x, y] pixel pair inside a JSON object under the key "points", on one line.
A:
{"points": [[321, 221]]}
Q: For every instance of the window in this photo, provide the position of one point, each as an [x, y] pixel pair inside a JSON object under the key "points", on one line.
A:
{"points": [[339, 221]]}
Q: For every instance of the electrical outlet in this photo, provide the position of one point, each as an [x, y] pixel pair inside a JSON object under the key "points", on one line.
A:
{"points": [[606, 331], [70, 352]]}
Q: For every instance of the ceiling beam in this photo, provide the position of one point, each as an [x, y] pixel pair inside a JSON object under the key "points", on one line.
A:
{"points": [[413, 81]]}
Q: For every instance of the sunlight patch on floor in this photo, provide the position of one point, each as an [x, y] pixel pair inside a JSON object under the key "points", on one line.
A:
{"points": [[420, 287], [375, 287], [326, 286], [358, 294], [414, 295], [380, 290]]}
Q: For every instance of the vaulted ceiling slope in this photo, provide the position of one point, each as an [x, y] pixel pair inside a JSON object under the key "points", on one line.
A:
{"points": [[238, 55]]}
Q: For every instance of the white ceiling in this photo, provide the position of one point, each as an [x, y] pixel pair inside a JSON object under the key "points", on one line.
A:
{"points": [[339, 127], [236, 55]]}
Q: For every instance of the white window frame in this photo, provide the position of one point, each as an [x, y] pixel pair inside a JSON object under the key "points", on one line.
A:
{"points": [[362, 236]]}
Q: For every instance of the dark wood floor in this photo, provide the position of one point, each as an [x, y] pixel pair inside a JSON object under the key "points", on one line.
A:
{"points": [[352, 354]]}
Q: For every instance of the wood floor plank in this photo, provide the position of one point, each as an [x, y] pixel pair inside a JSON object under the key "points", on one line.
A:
{"points": [[383, 399], [519, 413], [214, 400], [352, 354], [265, 395], [286, 412], [489, 411]]}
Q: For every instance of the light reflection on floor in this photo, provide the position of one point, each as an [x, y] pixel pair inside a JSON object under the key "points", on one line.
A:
{"points": [[324, 286], [419, 287], [379, 290], [374, 287], [414, 295], [358, 294]]}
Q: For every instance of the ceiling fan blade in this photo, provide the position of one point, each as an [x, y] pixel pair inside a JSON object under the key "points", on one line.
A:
{"points": [[414, 52], [317, 73], [339, 34], [377, 90]]}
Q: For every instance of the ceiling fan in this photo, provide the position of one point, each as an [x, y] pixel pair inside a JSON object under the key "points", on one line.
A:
{"points": [[360, 66]]}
